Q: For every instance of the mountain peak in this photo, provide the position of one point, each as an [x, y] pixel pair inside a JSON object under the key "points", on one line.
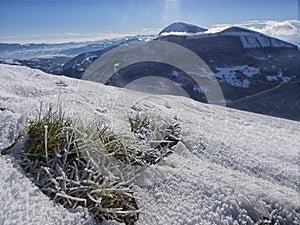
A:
{"points": [[182, 27]]}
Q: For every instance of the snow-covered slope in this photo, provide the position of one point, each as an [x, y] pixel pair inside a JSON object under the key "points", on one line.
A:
{"points": [[232, 167]]}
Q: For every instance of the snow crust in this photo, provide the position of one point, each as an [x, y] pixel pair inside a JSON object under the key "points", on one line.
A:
{"points": [[23, 203], [232, 167]]}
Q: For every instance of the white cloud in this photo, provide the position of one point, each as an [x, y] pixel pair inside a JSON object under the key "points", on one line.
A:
{"points": [[279, 28]]}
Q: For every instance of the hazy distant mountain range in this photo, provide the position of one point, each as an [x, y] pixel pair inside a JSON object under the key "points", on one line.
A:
{"points": [[244, 62], [52, 57]]}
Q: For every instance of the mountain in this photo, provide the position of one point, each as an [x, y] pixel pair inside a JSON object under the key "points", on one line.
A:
{"points": [[244, 62], [179, 27], [231, 167], [47, 57], [51, 58], [70, 49], [51, 65], [29, 51], [76, 66]]}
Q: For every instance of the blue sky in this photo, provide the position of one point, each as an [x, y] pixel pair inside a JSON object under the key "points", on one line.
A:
{"points": [[41, 20]]}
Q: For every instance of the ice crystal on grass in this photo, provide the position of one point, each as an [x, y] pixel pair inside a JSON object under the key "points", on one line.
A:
{"points": [[161, 137], [54, 159], [89, 166]]}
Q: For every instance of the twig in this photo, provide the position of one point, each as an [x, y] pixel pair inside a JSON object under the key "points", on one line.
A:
{"points": [[71, 198], [46, 144]]}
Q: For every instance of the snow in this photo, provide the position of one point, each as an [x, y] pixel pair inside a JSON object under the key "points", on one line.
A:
{"points": [[230, 76], [262, 41], [232, 167], [279, 77], [199, 89], [258, 40], [249, 42], [265, 41], [175, 73], [23, 203]]}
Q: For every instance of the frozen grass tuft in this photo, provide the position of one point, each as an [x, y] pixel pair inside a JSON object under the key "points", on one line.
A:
{"points": [[161, 137], [87, 165], [54, 159]]}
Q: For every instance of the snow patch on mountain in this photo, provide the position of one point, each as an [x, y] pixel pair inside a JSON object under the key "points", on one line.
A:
{"points": [[262, 41], [175, 73], [279, 77], [237, 75]]}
